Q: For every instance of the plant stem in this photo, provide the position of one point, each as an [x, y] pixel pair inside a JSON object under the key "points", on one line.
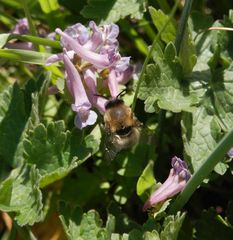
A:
{"points": [[32, 28], [36, 40], [150, 53], [182, 24], [216, 156]]}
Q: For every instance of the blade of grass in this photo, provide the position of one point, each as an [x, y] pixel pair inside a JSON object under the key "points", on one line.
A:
{"points": [[25, 56], [182, 24], [32, 28], [36, 40]]}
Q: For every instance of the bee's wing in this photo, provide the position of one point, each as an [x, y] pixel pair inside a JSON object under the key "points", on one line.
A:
{"points": [[110, 150]]}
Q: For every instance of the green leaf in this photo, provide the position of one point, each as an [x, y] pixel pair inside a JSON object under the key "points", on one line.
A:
{"points": [[13, 119], [74, 186], [146, 180], [83, 226], [24, 56], [55, 151], [154, 235], [48, 6], [45, 147], [109, 11], [20, 194], [163, 84], [172, 225], [132, 162], [4, 39], [202, 129], [201, 133], [187, 53], [159, 19]]}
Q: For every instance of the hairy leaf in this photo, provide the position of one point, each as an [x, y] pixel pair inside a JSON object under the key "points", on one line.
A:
{"points": [[51, 148], [20, 193], [109, 11], [172, 225], [78, 225], [163, 85]]}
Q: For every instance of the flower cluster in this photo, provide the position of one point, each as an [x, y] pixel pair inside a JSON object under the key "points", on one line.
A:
{"points": [[176, 181], [91, 54]]}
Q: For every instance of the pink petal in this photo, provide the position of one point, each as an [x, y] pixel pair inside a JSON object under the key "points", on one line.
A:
{"points": [[98, 60]]}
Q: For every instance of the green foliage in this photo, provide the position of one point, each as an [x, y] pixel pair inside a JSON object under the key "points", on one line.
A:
{"points": [[159, 19], [49, 168], [20, 194], [108, 11], [13, 118], [164, 85], [88, 225], [213, 83], [146, 180], [172, 225]]}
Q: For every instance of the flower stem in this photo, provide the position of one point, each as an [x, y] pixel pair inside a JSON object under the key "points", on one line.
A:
{"points": [[36, 40], [216, 156], [150, 53], [32, 28], [182, 24]]}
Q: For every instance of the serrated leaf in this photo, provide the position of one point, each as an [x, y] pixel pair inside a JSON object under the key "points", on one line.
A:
{"points": [[55, 151], [172, 225], [160, 19], [146, 180], [46, 147], [164, 85], [110, 11], [20, 194], [83, 226]]}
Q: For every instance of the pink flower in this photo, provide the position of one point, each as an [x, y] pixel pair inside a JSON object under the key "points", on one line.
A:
{"points": [[81, 104], [175, 183], [93, 53], [21, 27]]}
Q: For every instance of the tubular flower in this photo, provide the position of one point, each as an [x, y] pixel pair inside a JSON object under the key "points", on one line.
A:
{"points": [[230, 153], [81, 105], [175, 183], [20, 28], [93, 53]]}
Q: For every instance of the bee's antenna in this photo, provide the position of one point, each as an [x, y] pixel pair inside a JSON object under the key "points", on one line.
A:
{"points": [[121, 93], [98, 95]]}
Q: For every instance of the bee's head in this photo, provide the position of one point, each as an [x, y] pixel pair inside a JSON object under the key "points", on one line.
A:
{"points": [[113, 103]]}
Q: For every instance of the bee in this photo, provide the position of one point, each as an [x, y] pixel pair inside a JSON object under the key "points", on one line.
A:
{"points": [[121, 126]]}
